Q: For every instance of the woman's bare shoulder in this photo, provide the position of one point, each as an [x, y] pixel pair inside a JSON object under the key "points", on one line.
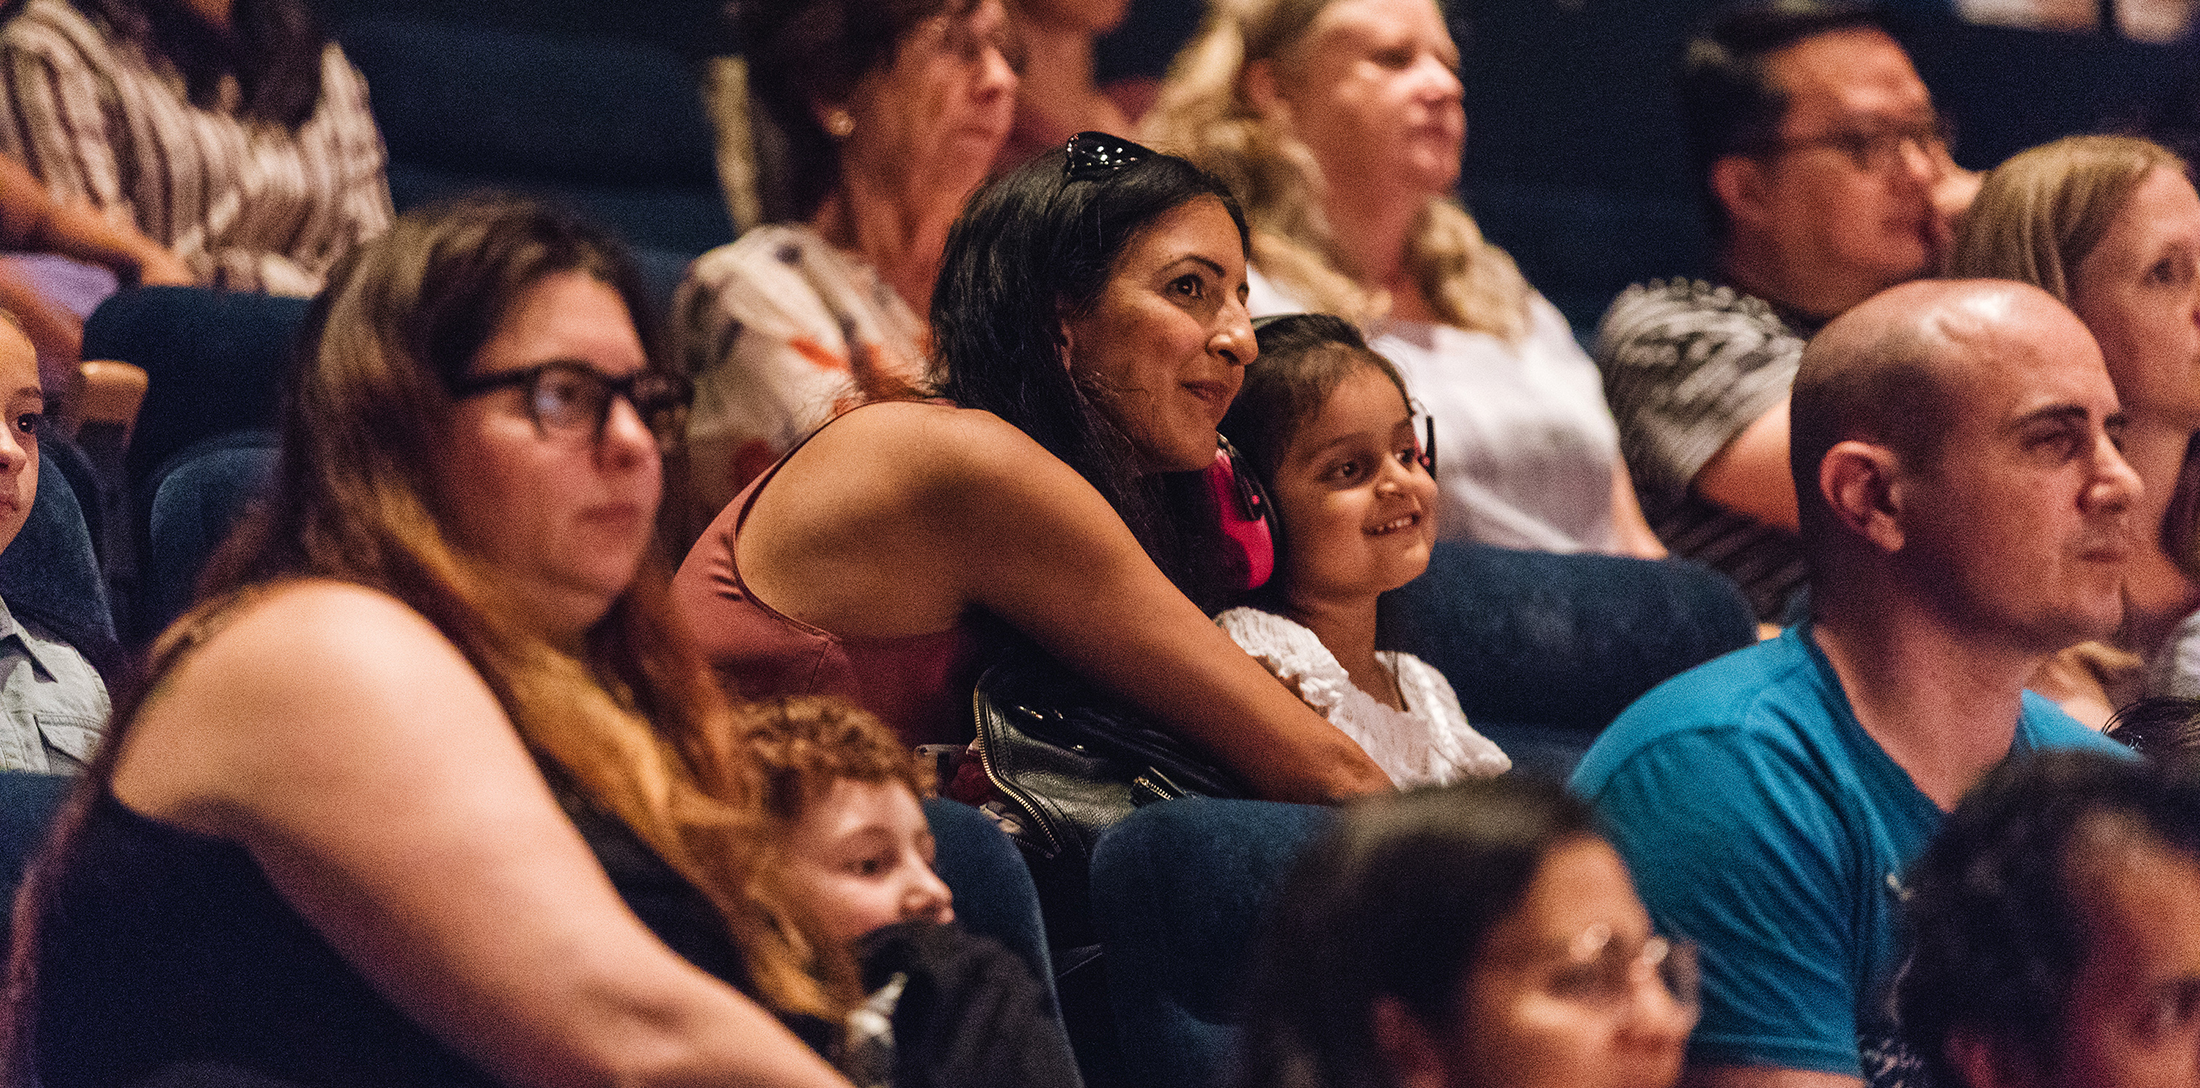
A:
{"points": [[897, 519], [315, 626], [927, 423], [910, 447], [305, 681]]}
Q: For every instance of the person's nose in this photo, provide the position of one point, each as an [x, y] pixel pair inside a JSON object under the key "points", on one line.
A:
{"points": [[1395, 474], [1658, 1018], [1921, 160], [927, 898], [624, 437], [2115, 484], [1922, 163], [1233, 340], [996, 76], [15, 450], [1440, 81]]}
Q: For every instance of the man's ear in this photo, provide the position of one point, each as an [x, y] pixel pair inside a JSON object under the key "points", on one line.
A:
{"points": [[1985, 1063], [1258, 83], [1740, 183], [1405, 1044], [1861, 483]]}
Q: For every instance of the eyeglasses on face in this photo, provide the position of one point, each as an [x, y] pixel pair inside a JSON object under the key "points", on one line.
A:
{"points": [[572, 399], [1875, 149], [1599, 970], [1095, 155]]}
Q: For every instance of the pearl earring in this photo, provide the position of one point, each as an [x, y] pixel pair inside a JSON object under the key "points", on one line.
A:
{"points": [[839, 124]]}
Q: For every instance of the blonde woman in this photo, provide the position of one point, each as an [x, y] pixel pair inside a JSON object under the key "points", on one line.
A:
{"points": [[1340, 123]]}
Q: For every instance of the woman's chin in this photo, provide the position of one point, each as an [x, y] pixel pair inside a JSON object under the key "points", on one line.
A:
{"points": [[1189, 456]]}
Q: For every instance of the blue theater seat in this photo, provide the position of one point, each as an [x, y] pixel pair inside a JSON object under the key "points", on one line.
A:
{"points": [[1179, 889], [1545, 650]]}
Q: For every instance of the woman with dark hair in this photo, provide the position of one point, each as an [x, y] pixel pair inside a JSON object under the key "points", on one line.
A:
{"points": [[1091, 326], [229, 131], [1474, 934], [2050, 928], [872, 123], [428, 789]]}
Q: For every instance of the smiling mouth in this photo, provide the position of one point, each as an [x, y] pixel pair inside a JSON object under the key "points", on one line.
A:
{"points": [[1214, 394], [1397, 524]]}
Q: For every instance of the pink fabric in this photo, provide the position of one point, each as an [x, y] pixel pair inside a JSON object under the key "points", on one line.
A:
{"points": [[1253, 538], [919, 685]]}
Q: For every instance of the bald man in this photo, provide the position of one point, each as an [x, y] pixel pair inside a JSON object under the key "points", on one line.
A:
{"points": [[1964, 514]]}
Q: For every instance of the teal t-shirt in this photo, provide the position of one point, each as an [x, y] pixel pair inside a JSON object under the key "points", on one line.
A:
{"points": [[1760, 820]]}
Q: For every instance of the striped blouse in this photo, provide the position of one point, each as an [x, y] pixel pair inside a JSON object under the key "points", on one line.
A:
{"points": [[248, 205]]}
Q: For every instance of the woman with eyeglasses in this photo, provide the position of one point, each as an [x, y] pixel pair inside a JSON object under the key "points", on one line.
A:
{"points": [[1469, 935], [871, 123], [1091, 332], [427, 789], [1340, 123]]}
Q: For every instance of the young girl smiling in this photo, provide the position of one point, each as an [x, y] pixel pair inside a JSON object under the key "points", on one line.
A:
{"points": [[1325, 425]]}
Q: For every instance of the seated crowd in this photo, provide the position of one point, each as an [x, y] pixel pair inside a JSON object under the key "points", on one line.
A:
{"points": [[584, 701]]}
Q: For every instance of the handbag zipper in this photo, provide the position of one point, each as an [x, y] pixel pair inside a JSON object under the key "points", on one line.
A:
{"points": [[1010, 790]]}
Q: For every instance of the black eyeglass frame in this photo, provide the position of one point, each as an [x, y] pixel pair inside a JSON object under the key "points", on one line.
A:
{"points": [[662, 412], [1858, 144]]}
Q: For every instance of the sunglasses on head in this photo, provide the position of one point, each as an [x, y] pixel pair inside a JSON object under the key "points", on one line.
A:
{"points": [[1093, 156]]}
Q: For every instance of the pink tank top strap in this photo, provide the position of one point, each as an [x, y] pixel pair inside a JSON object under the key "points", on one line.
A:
{"points": [[918, 685]]}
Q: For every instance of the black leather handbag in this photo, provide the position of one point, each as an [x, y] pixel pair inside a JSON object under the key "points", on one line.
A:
{"points": [[1071, 763]]}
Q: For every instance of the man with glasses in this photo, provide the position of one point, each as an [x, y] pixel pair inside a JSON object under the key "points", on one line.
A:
{"points": [[1965, 513], [1826, 177]]}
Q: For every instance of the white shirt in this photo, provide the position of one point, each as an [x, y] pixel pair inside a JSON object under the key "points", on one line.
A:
{"points": [[1429, 742]]}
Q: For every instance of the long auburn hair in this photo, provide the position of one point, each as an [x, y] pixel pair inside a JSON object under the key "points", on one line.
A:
{"points": [[1205, 114], [633, 723]]}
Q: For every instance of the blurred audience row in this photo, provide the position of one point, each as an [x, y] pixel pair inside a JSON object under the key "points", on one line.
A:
{"points": [[1006, 436]]}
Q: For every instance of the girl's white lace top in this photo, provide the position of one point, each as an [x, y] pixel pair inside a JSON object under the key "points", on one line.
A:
{"points": [[1429, 742]]}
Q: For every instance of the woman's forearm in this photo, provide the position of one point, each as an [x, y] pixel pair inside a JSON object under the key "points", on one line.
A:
{"points": [[77, 231]]}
